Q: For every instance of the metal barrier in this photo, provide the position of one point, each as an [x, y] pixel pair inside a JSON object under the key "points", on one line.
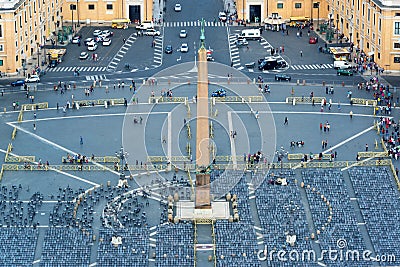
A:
{"points": [[104, 159], [299, 156], [396, 178], [362, 101], [27, 107], [80, 167], [373, 154], [190, 181], [10, 158], [164, 99], [304, 99], [218, 158], [240, 99], [14, 133], [112, 102]]}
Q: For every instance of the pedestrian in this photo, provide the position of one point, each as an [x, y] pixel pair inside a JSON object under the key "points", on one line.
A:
{"points": [[397, 172], [351, 114], [164, 139], [301, 53], [34, 116], [323, 144], [124, 40], [81, 140], [57, 106], [338, 106], [366, 147], [34, 126], [286, 121], [320, 126]]}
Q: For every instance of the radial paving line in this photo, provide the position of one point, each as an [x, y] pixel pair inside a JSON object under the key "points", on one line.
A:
{"points": [[232, 140], [61, 172], [169, 145], [44, 140]]}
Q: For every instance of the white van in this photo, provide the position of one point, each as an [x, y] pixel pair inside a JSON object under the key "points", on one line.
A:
{"points": [[145, 25], [337, 64], [251, 34]]}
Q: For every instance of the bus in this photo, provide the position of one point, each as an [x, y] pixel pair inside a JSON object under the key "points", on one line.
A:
{"points": [[299, 21], [120, 23]]}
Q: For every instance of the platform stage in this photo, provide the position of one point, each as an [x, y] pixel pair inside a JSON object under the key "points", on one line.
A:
{"points": [[185, 210]]}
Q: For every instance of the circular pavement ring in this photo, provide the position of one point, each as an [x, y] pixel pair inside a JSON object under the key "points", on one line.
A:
{"points": [[253, 134]]}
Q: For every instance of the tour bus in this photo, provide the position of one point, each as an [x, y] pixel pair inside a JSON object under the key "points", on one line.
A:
{"points": [[120, 23], [251, 34]]}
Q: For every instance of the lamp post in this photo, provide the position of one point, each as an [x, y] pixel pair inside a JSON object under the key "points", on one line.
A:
{"points": [[337, 30], [122, 155], [71, 7], [77, 12], [38, 54], [318, 17]]}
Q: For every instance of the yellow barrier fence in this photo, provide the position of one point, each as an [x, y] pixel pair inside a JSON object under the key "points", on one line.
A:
{"points": [[163, 99], [300, 156], [112, 102], [157, 159], [362, 101], [21, 115], [1, 173], [79, 167], [14, 133], [372, 154], [240, 99], [303, 99], [10, 158], [103, 159], [396, 178], [190, 181]]}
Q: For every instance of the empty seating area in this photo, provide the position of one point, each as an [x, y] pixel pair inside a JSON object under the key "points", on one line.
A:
{"points": [[134, 250], [17, 246], [223, 181], [174, 245], [281, 212], [66, 247], [378, 198], [343, 223], [236, 244], [14, 212]]}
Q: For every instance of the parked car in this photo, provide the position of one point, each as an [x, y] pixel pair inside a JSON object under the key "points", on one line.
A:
{"points": [[345, 72], [88, 40], [107, 33], [222, 16], [313, 40], [219, 93], [92, 46], [107, 42], [84, 55], [152, 32], [268, 64], [282, 77], [168, 49], [178, 7], [76, 40], [33, 79], [18, 83], [97, 32], [184, 48], [183, 33]]}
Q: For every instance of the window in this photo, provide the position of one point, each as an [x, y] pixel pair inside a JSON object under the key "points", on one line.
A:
{"points": [[297, 5], [91, 7], [397, 14], [379, 55], [279, 5], [397, 28], [396, 59], [1, 31], [1, 48], [1, 62], [109, 6], [396, 45]]}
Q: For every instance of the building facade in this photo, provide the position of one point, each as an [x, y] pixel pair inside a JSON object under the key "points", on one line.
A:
{"points": [[24, 28]]}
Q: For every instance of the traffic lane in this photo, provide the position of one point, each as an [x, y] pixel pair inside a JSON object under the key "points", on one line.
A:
{"points": [[217, 40], [310, 78], [139, 55], [105, 53], [193, 12], [293, 45]]}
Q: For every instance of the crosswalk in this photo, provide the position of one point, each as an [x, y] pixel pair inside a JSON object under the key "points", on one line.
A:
{"points": [[96, 78], [234, 51], [312, 67], [193, 24], [121, 53], [80, 69]]}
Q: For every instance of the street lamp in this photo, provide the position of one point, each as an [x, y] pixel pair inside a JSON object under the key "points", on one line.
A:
{"points": [[122, 155], [71, 7], [337, 30], [38, 54], [77, 11]]}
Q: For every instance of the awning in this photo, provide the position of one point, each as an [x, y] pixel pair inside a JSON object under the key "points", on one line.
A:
{"points": [[371, 53], [274, 21]]}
